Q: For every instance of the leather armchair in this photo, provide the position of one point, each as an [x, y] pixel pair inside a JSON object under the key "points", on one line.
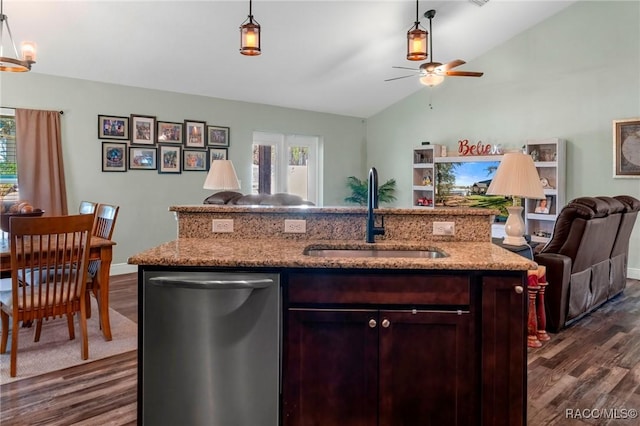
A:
{"points": [[586, 258]]}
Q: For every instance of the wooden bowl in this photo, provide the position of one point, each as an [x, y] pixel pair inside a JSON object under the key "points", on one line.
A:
{"points": [[5, 217]]}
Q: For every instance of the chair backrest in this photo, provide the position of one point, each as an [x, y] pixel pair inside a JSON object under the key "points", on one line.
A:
{"points": [[49, 261], [87, 207], [105, 220]]}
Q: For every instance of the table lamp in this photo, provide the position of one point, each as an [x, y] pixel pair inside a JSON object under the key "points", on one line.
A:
{"points": [[516, 177], [222, 176]]}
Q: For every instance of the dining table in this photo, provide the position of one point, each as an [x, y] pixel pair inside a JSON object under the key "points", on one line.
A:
{"points": [[100, 249]]}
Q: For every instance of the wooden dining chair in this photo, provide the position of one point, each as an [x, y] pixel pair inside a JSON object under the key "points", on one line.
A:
{"points": [[49, 266], [103, 226], [87, 207]]}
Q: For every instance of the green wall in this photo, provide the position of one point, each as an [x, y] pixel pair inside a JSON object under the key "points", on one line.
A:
{"points": [[144, 196], [568, 77]]}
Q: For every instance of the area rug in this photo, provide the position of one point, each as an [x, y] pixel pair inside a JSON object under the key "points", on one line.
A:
{"points": [[55, 351]]}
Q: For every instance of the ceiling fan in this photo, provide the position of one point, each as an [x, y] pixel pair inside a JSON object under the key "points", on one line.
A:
{"points": [[433, 73]]}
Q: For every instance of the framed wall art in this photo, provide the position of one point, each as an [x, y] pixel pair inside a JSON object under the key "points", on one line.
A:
{"points": [[169, 159], [113, 127], [194, 134], [217, 154], [626, 148], [114, 157], [142, 158], [218, 135], [143, 130], [169, 132], [194, 160]]}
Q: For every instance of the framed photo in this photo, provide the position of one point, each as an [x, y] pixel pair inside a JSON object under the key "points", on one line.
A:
{"points": [[543, 206], [218, 136], [143, 130], [194, 160], [142, 158], [194, 134], [114, 157], [169, 159], [626, 148], [112, 127], [169, 132], [217, 154]]}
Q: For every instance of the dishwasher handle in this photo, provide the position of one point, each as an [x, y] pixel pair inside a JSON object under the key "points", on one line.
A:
{"points": [[211, 284]]}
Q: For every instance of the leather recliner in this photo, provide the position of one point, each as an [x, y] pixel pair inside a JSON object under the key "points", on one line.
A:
{"points": [[586, 258]]}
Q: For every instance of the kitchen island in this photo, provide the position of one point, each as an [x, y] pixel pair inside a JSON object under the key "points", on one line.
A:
{"points": [[384, 340]]}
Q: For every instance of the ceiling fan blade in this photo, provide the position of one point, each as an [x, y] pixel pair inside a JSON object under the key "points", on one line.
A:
{"points": [[464, 74], [405, 68], [398, 78], [449, 65]]}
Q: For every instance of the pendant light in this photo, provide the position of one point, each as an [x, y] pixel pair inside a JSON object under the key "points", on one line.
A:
{"points": [[416, 41], [28, 49], [250, 35]]}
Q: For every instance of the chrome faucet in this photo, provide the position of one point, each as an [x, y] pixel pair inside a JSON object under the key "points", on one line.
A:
{"points": [[372, 203]]}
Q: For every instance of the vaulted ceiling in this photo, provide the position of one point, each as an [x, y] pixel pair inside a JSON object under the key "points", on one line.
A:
{"points": [[327, 56]]}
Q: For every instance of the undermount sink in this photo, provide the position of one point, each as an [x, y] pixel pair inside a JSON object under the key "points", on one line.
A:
{"points": [[373, 252]]}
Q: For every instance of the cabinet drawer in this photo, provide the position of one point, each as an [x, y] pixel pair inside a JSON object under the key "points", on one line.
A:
{"points": [[378, 288]]}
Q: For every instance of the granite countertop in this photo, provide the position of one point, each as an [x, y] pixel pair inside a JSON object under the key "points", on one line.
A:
{"points": [[290, 254], [339, 210]]}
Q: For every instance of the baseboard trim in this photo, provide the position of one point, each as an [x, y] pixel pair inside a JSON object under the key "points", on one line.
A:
{"points": [[125, 268]]}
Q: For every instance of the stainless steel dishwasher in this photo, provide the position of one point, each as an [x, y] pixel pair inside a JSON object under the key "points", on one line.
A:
{"points": [[210, 344]]}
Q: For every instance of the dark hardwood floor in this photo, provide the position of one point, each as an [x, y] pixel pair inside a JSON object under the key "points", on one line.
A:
{"points": [[593, 365]]}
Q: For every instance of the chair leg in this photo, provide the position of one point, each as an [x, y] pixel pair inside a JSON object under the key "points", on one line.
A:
{"points": [[5, 332], [13, 370], [36, 337], [84, 342], [87, 301], [72, 332]]}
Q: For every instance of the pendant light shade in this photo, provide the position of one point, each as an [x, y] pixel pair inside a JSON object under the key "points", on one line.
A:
{"points": [[250, 35], [416, 41], [17, 63]]}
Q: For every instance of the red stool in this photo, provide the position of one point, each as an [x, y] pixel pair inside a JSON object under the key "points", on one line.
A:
{"points": [[532, 323], [542, 317]]}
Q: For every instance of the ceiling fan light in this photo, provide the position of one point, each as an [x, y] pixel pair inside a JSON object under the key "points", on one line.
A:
{"points": [[431, 79], [416, 44]]}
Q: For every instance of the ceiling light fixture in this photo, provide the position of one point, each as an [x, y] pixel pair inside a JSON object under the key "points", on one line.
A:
{"points": [[417, 41], [250, 35], [28, 48]]}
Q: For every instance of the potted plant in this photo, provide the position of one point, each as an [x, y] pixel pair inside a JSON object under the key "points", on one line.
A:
{"points": [[359, 189]]}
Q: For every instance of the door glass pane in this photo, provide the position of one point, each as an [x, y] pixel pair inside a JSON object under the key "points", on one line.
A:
{"points": [[298, 171], [263, 175]]}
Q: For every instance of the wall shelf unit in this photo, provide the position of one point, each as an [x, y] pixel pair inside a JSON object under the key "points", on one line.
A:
{"points": [[549, 157], [423, 179]]}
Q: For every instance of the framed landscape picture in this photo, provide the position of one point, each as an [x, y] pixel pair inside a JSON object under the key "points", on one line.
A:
{"points": [[194, 134], [114, 157], [218, 135], [194, 160], [113, 127], [169, 132], [217, 154], [142, 158], [143, 130], [170, 156]]}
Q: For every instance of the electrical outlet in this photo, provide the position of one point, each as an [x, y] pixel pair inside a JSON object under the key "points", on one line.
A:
{"points": [[222, 225], [294, 226], [444, 228]]}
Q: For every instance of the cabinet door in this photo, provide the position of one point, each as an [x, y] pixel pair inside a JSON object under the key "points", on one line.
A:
{"points": [[426, 368], [504, 350], [330, 368]]}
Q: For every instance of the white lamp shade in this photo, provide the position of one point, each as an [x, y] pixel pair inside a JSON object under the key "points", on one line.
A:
{"points": [[222, 176], [431, 79], [517, 177]]}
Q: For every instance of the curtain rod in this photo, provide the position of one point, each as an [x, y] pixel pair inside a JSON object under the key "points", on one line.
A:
{"points": [[10, 107]]}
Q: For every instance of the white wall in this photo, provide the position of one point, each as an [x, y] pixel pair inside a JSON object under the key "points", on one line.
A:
{"points": [[144, 196], [567, 77]]}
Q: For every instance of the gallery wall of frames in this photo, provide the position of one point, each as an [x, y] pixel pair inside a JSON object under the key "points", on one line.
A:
{"points": [[141, 142]]}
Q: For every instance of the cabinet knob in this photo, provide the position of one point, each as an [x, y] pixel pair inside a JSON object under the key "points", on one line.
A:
{"points": [[519, 289], [386, 323], [372, 323]]}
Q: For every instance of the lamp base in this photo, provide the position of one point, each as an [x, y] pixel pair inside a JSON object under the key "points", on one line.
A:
{"points": [[514, 227]]}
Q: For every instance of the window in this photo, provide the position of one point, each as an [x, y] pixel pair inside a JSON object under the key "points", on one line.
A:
{"points": [[286, 163], [8, 163]]}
